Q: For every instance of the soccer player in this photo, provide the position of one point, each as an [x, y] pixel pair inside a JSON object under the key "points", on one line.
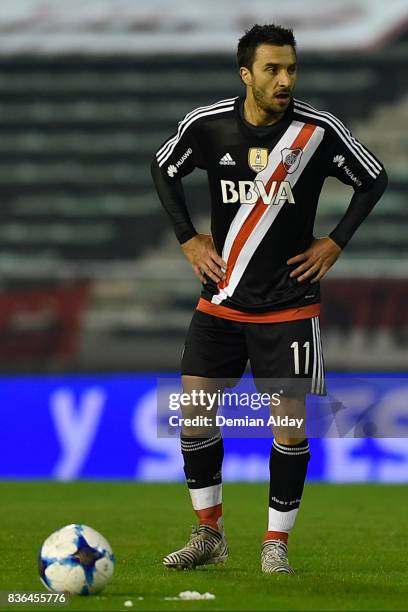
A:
{"points": [[267, 155]]}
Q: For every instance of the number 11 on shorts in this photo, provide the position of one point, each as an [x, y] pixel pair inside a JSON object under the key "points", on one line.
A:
{"points": [[295, 347]]}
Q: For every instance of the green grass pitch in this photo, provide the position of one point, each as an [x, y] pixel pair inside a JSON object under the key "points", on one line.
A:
{"points": [[347, 548]]}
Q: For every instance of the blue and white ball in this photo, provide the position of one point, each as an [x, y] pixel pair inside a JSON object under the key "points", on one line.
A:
{"points": [[76, 560]]}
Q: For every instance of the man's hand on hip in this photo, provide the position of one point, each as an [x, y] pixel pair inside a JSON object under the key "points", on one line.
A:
{"points": [[201, 253], [316, 260]]}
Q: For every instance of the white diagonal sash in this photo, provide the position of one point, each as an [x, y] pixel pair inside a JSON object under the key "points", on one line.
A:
{"points": [[271, 211]]}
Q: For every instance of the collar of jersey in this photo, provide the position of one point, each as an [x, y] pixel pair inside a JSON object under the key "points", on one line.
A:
{"points": [[262, 132]]}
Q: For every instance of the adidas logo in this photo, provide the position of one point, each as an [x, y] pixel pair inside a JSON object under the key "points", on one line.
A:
{"points": [[227, 160], [339, 160]]}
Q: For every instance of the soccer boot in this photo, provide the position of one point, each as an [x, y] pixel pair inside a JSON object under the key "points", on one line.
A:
{"points": [[274, 558], [206, 546]]}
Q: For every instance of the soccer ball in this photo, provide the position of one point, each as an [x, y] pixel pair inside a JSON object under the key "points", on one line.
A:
{"points": [[76, 560]]}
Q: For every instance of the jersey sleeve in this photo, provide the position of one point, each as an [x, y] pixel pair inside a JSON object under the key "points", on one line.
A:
{"points": [[349, 160], [180, 154]]}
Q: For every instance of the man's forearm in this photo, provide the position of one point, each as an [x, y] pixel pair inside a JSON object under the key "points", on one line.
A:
{"points": [[360, 206], [174, 202]]}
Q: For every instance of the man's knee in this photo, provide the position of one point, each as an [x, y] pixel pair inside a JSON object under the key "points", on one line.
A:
{"points": [[200, 412], [290, 420]]}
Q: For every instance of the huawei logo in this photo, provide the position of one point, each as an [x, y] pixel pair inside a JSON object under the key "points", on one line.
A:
{"points": [[339, 160], [171, 170]]}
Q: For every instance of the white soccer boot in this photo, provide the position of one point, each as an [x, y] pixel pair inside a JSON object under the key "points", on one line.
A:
{"points": [[274, 558], [206, 546]]}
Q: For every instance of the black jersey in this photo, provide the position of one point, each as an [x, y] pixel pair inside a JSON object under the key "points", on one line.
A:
{"points": [[264, 185]]}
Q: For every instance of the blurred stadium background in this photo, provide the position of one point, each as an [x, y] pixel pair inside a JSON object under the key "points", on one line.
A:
{"points": [[92, 282]]}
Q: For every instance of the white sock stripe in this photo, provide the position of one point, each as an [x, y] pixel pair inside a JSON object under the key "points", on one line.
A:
{"points": [[373, 172], [192, 113], [292, 453], [197, 443], [207, 497], [195, 449], [200, 445], [299, 448], [305, 442], [163, 156], [200, 441], [281, 521], [364, 152]]}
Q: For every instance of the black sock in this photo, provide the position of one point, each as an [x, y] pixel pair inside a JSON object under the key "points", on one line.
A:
{"points": [[287, 469], [202, 467], [202, 460]]}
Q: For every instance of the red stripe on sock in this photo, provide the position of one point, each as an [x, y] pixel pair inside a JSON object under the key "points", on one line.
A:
{"points": [[209, 516], [276, 535]]}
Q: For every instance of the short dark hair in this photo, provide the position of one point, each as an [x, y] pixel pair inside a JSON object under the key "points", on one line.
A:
{"points": [[262, 34]]}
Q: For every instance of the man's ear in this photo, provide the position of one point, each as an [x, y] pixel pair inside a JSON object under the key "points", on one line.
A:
{"points": [[246, 76]]}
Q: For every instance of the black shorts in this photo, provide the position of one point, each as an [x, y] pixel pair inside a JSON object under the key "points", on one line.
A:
{"points": [[290, 351]]}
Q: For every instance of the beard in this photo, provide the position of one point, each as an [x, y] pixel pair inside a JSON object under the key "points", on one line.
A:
{"points": [[268, 107]]}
